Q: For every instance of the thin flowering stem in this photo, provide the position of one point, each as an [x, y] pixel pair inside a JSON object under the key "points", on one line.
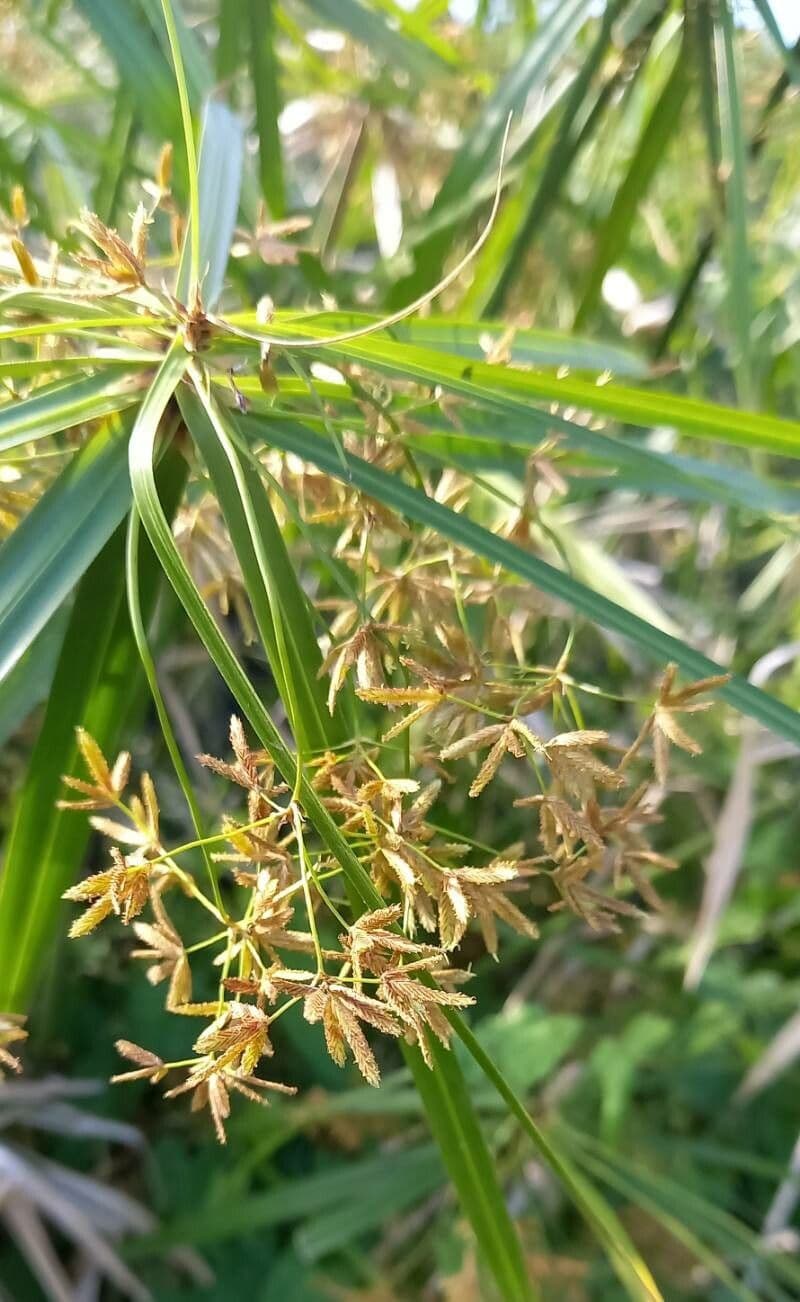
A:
{"points": [[297, 819], [462, 837], [327, 901], [560, 712], [226, 967], [206, 944], [476, 707], [190, 885], [328, 425], [216, 838], [458, 597], [298, 886], [575, 707], [283, 1008]]}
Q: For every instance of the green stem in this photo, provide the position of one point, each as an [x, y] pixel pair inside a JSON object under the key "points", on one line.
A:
{"points": [[191, 152]]}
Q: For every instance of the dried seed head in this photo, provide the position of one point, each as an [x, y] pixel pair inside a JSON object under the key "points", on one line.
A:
{"points": [[148, 1066], [165, 953], [108, 784], [210, 1083], [239, 1036], [121, 263], [122, 889]]}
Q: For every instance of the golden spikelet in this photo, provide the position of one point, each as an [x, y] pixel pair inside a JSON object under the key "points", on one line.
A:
{"points": [[662, 724], [165, 953], [25, 261], [164, 168], [148, 1066], [120, 262], [19, 207]]}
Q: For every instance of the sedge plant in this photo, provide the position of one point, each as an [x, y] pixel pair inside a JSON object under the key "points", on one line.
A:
{"points": [[317, 444]]}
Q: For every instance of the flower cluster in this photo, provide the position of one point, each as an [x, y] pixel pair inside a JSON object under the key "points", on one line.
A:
{"points": [[272, 893], [434, 653]]}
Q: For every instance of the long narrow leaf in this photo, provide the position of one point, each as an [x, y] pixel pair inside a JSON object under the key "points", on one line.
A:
{"points": [[266, 87], [734, 165], [61, 406], [141, 64], [50, 550], [789, 56], [219, 180], [463, 337], [307, 1196], [269, 578], [478, 154], [647, 157], [379, 36], [632, 406], [142, 451], [541, 187], [29, 682], [457, 1131], [97, 684], [631, 1270]]}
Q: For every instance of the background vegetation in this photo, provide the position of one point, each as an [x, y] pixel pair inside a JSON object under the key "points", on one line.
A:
{"points": [[638, 452]]}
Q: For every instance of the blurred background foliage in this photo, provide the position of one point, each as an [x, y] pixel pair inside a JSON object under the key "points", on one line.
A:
{"points": [[651, 206]]}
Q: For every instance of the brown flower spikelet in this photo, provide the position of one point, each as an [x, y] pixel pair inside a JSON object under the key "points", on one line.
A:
{"points": [[123, 890]]}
